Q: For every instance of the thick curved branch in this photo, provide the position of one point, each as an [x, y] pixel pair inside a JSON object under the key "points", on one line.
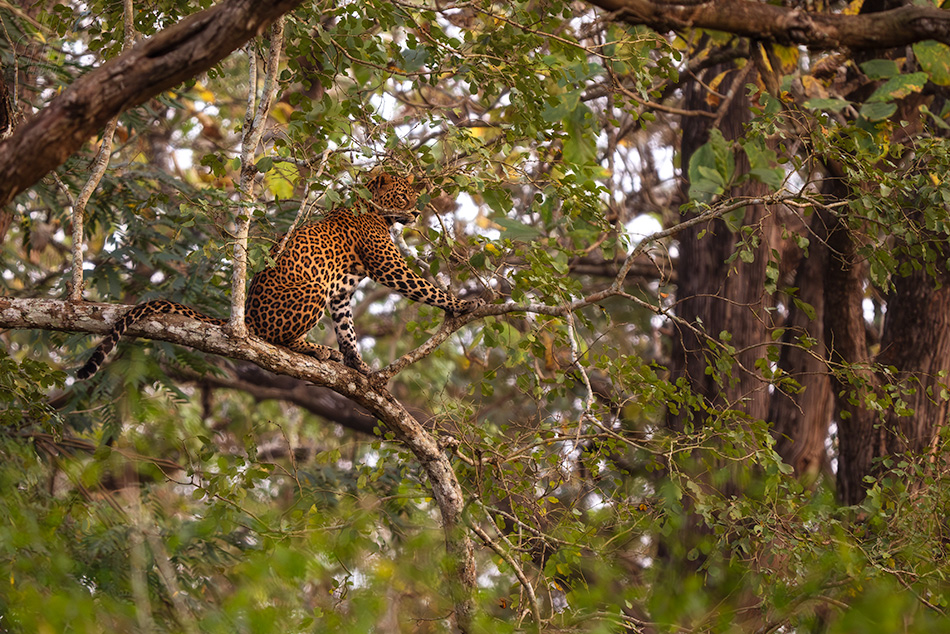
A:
{"points": [[173, 55], [789, 26], [97, 318]]}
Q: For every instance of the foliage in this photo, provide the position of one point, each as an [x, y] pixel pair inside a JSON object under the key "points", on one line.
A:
{"points": [[172, 494]]}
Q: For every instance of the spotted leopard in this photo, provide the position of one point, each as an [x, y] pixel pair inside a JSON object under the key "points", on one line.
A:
{"points": [[320, 266]]}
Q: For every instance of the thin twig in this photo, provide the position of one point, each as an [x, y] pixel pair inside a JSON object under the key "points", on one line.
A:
{"points": [[529, 590], [451, 324], [575, 359]]}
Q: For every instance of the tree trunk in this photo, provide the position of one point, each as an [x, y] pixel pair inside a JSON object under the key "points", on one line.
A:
{"points": [[801, 419], [916, 343], [713, 293], [859, 440]]}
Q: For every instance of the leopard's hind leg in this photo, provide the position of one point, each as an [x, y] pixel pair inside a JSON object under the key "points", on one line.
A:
{"points": [[283, 314]]}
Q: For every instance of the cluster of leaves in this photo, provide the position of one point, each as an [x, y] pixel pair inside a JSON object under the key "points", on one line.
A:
{"points": [[346, 537]]}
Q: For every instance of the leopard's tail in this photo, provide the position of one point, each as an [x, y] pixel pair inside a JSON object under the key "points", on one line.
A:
{"points": [[137, 312]]}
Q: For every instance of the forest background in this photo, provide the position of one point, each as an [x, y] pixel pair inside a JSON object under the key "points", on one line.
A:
{"points": [[708, 392]]}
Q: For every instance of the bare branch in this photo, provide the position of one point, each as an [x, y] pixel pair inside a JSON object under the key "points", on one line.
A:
{"points": [[98, 170], [449, 326], [501, 552], [452, 324], [306, 204]]}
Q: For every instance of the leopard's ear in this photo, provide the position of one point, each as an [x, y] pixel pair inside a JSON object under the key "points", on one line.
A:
{"points": [[375, 179]]}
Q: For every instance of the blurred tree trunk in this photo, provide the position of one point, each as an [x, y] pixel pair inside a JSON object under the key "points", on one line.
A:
{"points": [[845, 277], [913, 363], [800, 420], [713, 293], [914, 357], [916, 343]]}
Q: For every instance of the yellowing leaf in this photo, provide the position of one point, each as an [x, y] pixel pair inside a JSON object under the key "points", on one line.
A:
{"points": [[281, 178], [788, 55], [899, 87], [281, 112], [813, 87], [711, 97], [934, 59]]}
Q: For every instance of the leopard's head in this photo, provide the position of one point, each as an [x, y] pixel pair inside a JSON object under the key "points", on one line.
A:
{"points": [[394, 197]]}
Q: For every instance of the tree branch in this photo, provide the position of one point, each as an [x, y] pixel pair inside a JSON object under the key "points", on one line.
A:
{"points": [[789, 26], [616, 289], [173, 55]]}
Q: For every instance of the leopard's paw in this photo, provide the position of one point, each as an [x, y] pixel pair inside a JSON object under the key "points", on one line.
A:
{"points": [[465, 306], [357, 364]]}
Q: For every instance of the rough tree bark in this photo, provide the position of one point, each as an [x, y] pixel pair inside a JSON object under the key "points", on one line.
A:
{"points": [[787, 25], [801, 419], [916, 343], [916, 336], [914, 355], [859, 441]]}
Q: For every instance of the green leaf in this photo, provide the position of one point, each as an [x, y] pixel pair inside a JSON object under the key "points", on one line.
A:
{"points": [[561, 106], [711, 168], [711, 175], [498, 199], [805, 307], [517, 231], [264, 164], [934, 59], [762, 162], [878, 111], [899, 87], [880, 68], [938, 121], [773, 177], [281, 180], [832, 105], [580, 145]]}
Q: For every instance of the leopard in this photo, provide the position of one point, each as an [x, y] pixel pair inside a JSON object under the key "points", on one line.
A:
{"points": [[318, 269]]}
